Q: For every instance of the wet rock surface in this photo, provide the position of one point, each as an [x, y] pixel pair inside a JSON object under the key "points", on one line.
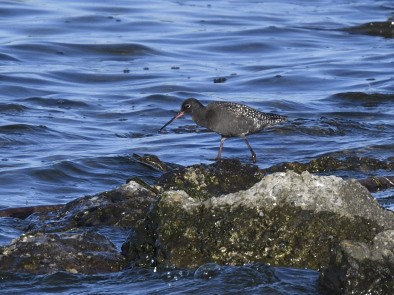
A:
{"points": [[51, 243], [124, 206], [154, 162], [285, 219], [227, 213], [383, 29], [205, 181], [357, 267], [86, 252], [331, 163]]}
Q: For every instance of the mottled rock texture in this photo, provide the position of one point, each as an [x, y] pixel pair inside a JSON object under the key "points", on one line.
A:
{"points": [[285, 219], [227, 213], [41, 253]]}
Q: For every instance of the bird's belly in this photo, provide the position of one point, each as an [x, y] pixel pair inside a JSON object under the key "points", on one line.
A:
{"points": [[237, 127], [227, 124]]}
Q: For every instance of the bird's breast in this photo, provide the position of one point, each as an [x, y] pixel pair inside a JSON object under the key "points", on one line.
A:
{"points": [[228, 124]]}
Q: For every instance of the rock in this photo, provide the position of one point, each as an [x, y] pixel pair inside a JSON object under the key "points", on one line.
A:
{"points": [[51, 243], [40, 253], [24, 212], [124, 206], [285, 219], [383, 29], [361, 268], [377, 183], [347, 198], [205, 181], [226, 213], [331, 163], [153, 162]]}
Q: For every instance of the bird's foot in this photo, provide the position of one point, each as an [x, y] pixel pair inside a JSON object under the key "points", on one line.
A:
{"points": [[254, 158]]}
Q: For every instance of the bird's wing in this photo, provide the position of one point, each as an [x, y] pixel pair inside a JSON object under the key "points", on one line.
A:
{"points": [[246, 112]]}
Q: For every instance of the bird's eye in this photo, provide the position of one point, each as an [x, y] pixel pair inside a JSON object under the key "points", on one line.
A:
{"points": [[187, 106]]}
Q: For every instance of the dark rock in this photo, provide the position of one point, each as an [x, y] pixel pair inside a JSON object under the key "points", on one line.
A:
{"points": [[205, 181], [220, 80], [331, 163], [24, 212], [383, 29], [49, 246], [377, 183], [361, 268], [40, 253], [285, 219], [153, 162], [321, 164], [124, 206]]}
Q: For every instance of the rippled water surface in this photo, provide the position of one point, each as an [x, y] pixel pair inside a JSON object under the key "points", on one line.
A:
{"points": [[87, 84]]}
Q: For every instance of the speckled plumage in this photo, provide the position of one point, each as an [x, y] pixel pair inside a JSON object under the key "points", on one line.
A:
{"points": [[256, 120], [228, 119]]}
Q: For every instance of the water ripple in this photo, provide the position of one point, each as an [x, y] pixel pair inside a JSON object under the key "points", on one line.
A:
{"points": [[85, 85]]}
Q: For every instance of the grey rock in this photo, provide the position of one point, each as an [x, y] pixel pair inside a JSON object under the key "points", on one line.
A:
{"points": [[361, 268], [285, 219], [315, 193]]}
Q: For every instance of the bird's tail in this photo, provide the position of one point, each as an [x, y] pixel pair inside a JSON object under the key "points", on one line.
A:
{"points": [[272, 119]]}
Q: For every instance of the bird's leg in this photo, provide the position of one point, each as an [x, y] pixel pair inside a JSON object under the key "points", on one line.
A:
{"points": [[222, 139], [250, 148]]}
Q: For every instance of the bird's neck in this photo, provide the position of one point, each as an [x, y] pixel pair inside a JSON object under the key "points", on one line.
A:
{"points": [[198, 115]]}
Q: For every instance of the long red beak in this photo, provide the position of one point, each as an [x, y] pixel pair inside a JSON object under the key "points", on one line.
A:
{"points": [[180, 114]]}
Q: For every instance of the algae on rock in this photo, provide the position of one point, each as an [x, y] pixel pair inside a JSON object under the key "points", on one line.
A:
{"points": [[285, 219]]}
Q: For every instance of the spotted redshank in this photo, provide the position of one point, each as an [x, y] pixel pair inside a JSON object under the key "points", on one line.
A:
{"points": [[227, 119]]}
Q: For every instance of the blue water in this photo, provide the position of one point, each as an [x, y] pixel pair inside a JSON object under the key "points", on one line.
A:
{"points": [[87, 84]]}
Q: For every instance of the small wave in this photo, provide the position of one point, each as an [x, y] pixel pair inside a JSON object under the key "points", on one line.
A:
{"points": [[74, 49], [48, 50], [333, 126], [365, 99], [21, 129], [126, 49], [6, 57], [11, 108], [55, 102]]}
